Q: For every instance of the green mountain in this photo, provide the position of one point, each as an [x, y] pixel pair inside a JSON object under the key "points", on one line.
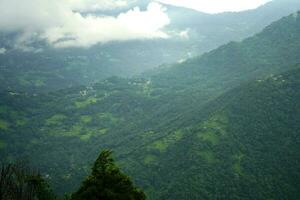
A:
{"points": [[243, 145], [51, 69], [220, 126]]}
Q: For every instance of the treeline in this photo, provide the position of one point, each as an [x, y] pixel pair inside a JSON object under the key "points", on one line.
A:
{"points": [[18, 181]]}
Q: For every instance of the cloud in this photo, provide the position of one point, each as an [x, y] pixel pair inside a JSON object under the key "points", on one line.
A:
{"points": [[60, 22], [89, 30], [94, 5], [2, 50], [216, 6], [184, 34]]}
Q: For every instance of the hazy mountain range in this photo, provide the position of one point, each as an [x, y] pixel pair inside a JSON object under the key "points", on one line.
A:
{"points": [[43, 68], [221, 125]]}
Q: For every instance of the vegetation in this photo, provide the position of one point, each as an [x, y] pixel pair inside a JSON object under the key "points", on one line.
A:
{"points": [[19, 182], [41, 68], [224, 125], [107, 182]]}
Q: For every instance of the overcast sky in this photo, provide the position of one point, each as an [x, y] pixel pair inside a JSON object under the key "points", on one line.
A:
{"points": [[61, 23]]}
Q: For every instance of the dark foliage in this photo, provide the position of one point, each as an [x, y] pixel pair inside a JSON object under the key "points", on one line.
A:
{"points": [[107, 182], [19, 182]]}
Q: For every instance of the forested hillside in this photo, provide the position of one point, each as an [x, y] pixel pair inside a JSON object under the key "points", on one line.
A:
{"points": [[223, 125], [243, 145], [38, 67]]}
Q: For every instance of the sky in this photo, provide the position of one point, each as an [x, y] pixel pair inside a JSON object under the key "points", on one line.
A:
{"points": [[62, 24]]}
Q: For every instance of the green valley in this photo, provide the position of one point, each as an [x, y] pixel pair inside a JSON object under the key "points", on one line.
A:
{"points": [[222, 125]]}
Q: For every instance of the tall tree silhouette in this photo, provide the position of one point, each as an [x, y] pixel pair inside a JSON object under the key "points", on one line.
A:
{"points": [[107, 182], [20, 182]]}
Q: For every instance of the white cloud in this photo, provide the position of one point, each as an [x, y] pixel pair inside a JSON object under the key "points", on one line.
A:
{"points": [[93, 5], [216, 6], [184, 34], [2, 50], [60, 23]]}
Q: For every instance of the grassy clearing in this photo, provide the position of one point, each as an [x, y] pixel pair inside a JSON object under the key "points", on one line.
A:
{"points": [[56, 120], [237, 168], [149, 159], [4, 125], [208, 156], [87, 102], [163, 144], [86, 119], [213, 129]]}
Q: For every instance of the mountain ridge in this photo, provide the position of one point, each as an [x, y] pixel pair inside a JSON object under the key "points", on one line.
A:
{"points": [[167, 129]]}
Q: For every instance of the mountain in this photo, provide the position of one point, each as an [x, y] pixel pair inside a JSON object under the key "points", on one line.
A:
{"points": [[243, 145], [51, 69], [209, 127]]}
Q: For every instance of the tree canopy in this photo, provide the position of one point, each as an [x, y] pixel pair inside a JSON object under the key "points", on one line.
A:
{"points": [[107, 182]]}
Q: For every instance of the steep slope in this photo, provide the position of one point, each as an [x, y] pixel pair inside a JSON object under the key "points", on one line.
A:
{"points": [[244, 145], [143, 118], [199, 80], [54, 69]]}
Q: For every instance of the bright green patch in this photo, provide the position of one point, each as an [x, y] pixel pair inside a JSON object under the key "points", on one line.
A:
{"points": [[34, 141], [88, 133], [103, 131], [87, 102], [160, 145], [164, 143], [213, 129], [55, 120], [2, 144], [30, 80], [4, 125], [92, 132], [74, 131], [177, 135], [149, 159], [39, 83], [21, 122], [85, 137], [208, 156], [211, 137], [22, 81], [86, 119], [237, 168]]}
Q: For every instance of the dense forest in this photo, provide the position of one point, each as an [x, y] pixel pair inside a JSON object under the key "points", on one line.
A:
{"points": [[19, 181], [223, 125]]}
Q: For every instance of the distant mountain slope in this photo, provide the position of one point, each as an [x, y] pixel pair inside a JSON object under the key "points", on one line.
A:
{"points": [[245, 147], [275, 48], [55, 69], [199, 80], [151, 122]]}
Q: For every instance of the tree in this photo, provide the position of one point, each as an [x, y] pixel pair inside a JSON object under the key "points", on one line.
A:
{"points": [[107, 182], [20, 182]]}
